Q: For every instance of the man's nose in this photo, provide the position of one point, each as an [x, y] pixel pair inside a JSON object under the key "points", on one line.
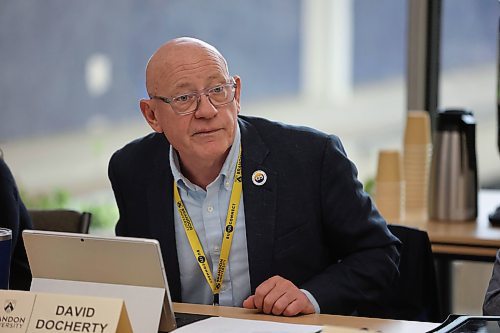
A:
{"points": [[205, 107]]}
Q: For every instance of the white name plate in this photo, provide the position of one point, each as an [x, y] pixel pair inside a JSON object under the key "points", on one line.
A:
{"points": [[44, 312]]}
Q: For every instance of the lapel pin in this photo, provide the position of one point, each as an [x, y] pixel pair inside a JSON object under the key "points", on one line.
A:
{"points": [[259, 178]]}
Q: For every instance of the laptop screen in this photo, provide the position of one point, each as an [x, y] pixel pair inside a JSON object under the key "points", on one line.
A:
{"points": [[101, 266]]}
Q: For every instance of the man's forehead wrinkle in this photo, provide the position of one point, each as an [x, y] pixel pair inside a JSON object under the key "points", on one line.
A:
{"points": [[189, 67], [181, 83], [183, 54], [162, 74]]}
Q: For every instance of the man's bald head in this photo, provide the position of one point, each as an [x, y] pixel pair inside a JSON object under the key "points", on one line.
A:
{"points": [[174, 55]]}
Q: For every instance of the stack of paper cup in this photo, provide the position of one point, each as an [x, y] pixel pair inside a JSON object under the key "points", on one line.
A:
{"points": [[416, 162], [389, 186]]}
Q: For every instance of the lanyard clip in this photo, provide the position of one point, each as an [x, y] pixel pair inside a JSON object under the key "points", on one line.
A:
{"points": [[216, 300]]}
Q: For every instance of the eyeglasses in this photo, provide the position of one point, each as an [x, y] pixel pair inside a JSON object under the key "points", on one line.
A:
{"points": [[188, 103]]}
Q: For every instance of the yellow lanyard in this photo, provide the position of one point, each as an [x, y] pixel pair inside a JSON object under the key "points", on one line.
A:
{"points": [[194, 241]]}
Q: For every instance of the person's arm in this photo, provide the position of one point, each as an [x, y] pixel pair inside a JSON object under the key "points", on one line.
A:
{"points": [[120, 229], [14, 216], [358, 235], [20, 274], [491, 306], [368, 252]]}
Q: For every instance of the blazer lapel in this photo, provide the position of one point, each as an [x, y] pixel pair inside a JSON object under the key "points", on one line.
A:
{"points": [[161, 219], [260, 205]]}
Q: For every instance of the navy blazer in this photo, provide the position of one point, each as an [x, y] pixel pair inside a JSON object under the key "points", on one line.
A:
{"points": [[311, 222]]}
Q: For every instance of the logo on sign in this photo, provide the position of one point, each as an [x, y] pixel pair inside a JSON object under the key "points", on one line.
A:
{"points": [[9, 305], [10, 320]]}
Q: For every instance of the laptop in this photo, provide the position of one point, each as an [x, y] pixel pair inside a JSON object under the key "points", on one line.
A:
{"points": [[469, 324], [60, 261]]}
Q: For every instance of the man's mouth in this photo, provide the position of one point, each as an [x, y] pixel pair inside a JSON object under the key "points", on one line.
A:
{"points": [[206, 131]]}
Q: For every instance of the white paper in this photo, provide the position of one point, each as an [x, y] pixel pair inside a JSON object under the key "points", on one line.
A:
{"points": [[230, 325]]}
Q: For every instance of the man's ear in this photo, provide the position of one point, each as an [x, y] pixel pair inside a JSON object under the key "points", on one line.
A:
{"points": [[149, 114], [237, 91]]}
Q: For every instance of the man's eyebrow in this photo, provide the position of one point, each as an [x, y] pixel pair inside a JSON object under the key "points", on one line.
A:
{"points": [[217, 77]]}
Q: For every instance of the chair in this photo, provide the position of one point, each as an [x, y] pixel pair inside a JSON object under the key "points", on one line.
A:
{"points": [[61, 220], [414, 296]]}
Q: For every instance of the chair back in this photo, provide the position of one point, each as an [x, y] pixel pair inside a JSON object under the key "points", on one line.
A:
{"points": [[414, 295], [61, 220]]}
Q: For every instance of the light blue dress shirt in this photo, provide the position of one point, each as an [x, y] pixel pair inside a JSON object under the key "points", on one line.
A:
{"points": [[208, 210]]}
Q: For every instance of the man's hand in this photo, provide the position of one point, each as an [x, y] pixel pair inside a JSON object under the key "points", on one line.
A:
{"points": [[279, 296]]}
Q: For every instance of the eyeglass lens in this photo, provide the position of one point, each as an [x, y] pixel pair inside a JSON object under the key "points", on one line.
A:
{"points": [[218, 96]]}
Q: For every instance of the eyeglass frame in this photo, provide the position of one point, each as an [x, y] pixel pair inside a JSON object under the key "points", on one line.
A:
{"points": [[198, 93]]}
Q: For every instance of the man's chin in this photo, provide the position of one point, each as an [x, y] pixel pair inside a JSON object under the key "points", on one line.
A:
{"points": [[213, 150]]}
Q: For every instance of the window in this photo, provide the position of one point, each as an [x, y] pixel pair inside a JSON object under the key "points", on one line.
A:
{"points": [[468, 75]]}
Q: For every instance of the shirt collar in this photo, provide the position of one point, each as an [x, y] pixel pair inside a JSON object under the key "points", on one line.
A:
{"points": [[226, 171]]}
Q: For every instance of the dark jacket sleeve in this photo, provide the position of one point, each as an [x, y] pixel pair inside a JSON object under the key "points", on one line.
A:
{"points": [[14, 216], [120, 228], [131, 170], [368, 254]]}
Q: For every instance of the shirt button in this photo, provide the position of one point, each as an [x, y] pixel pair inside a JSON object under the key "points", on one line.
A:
{"points": [[216, 250], [227, 184], [210, 209], [223, 287]]}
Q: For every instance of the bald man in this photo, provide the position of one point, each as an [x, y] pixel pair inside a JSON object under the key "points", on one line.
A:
{"points": [[248, 212]]}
